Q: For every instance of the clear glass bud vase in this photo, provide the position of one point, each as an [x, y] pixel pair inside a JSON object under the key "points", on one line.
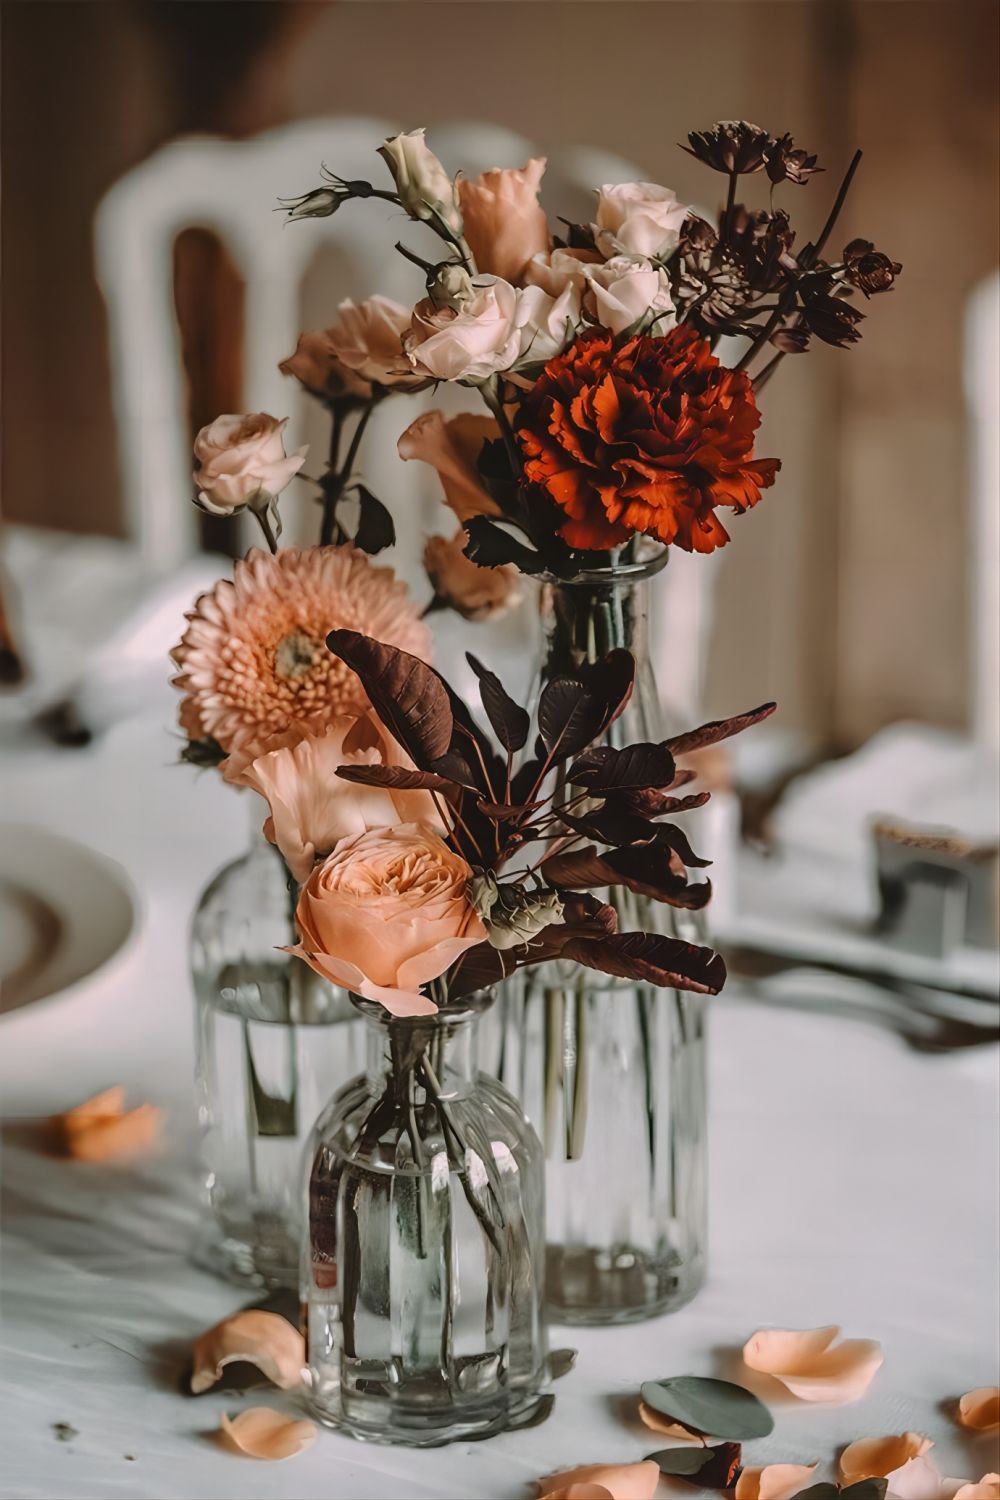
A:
{"points": [[423, 1264], [611, 1071], [273, 1041]]}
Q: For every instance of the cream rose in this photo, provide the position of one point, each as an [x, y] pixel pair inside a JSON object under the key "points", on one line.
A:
{"points": [[386, 913], [638, 218], [241, 461], [453, 447], [368, 338], [469, 342], [425, 189], [475, 593], [312, 808], [628, 291], [505, 224], [319, 369], [545, 324]]}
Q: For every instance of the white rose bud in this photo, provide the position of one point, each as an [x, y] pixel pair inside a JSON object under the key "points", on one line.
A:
{"points": [[241, 462], [425, 189], [629, 293]]}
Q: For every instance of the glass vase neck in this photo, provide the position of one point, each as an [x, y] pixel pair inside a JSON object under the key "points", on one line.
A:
{"points": [[441, 1046]]}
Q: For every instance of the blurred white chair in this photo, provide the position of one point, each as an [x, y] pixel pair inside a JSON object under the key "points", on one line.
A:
{"points": [[982, 391], [230, 188]]}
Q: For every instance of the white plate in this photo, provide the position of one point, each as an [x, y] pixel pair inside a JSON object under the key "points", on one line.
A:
{"points": [[65, 910]]}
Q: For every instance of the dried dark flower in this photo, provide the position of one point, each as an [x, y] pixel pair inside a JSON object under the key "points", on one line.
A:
{"points": [[730, 146], [793, 339], [708, 281], [831, 319], [868, 269], [785, 162]]}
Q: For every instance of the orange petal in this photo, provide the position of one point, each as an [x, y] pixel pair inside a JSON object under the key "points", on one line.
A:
{"points": [[106, 1104], [877, 1457], [112, 1136], [618, 1481], [263, 1433], [980, 1409], [773, 1481], [264, 1339], [657, 1423], [987, 1488], [812, 1365]]}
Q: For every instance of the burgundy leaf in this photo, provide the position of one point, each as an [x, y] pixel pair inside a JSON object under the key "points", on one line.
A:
{"points": [[612, 826], [503, 810], [718, 729], [478, 968], [646, 802], [510, 721], [408, 696], [642, 869], [652, 958], [642, 765], [611, 680], [400, 777], [568, 717]]}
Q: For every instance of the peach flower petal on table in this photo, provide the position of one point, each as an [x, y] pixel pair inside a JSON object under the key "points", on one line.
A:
{"points": [[773, 1481], [102, 1129], [881, 1456], [263, 1433], [979, 1410], [657, 1423], [255, 1337], [617, 1481], [987, 1488], [812, 1365]]}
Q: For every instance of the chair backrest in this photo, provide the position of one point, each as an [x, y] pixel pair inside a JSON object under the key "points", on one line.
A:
{"points": [[982, 387], [229, 187]]}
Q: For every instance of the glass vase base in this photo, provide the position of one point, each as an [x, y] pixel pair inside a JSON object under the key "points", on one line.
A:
{"points": [[589, 1287], [419, 1427], [268, 1266]]}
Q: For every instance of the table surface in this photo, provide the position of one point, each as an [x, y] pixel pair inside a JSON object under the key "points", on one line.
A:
{"points": [[853, 1181]]}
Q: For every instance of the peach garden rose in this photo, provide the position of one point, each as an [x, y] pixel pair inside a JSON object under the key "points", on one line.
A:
{"points": [[386, 913]]}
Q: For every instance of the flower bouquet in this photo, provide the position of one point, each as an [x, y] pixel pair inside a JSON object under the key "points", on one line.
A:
{"points": [[611, 432]]}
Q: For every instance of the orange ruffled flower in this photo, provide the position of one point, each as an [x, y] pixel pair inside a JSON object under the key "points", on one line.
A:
{"points": [[651, 437]]}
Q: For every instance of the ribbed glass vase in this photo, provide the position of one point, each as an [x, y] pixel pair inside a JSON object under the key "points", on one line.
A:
{"points": [[273, 1041], [423, 1267], [611, 1071]]}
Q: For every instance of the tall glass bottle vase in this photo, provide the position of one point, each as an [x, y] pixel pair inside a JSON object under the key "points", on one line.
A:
{"points": [[423, 1264], [611, 1071], [272, 1042]]}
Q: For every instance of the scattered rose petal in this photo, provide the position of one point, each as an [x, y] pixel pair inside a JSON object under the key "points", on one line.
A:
{"points": [[980, 1409], [773, 1481], [878, 1457], [657, 1423], [917, 1479], [597, 1481], [811, 1365], [987, 1488], [263, 1433], [101, 1128], [264, 1339]]}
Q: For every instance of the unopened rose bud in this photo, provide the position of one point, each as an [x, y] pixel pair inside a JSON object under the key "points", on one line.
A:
{"points": [[319, 204], [425, 189], [451, 287]]}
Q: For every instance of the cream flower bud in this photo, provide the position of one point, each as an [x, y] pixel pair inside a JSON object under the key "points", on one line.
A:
{"points": [[425, 189]]}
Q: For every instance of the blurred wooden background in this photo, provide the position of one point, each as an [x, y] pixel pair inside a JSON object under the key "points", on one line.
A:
{"points": [[845, 594]]}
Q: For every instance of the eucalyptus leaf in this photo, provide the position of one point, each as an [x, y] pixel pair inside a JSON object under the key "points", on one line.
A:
{"points": [[705, 1405], [822, 1491], [715, 1468], [866, 1489]]}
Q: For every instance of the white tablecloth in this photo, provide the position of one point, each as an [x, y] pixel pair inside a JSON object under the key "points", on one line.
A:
{"points": [[853, 1181]]}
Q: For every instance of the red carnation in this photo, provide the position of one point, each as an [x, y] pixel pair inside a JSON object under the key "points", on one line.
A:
{"points": [[650, 437]]}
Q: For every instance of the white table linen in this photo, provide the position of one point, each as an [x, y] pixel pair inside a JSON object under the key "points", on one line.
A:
{"points": [[852, 1180]]}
